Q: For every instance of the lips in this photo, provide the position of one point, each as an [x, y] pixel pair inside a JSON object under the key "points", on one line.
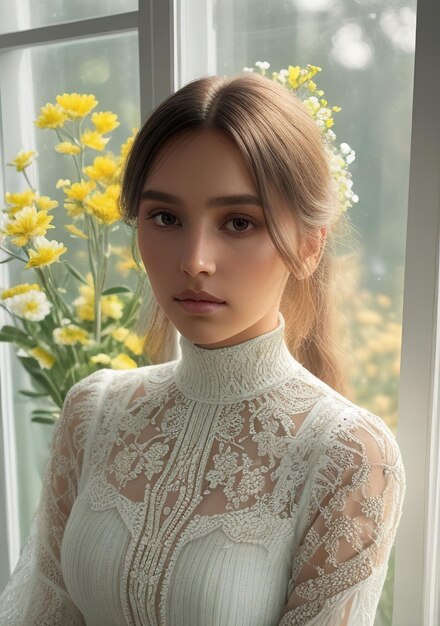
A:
{"points": [[198, 296]]}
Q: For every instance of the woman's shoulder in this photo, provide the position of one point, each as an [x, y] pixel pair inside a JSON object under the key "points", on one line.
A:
{"points": [[342, 422]]}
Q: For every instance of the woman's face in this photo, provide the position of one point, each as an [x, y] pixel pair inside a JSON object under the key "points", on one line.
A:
{"points": [[188, 241]]}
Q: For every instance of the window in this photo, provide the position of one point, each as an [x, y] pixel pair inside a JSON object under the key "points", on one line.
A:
{"points": [[368, 57]]}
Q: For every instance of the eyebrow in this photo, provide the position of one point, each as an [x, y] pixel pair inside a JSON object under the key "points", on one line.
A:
{"points": [[153, 194]]}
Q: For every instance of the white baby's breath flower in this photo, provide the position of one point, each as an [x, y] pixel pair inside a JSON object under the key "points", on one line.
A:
{"points": [[264, 65], [345, 148], [248, 69], [32, 305], [355, 198], [350, 157]]}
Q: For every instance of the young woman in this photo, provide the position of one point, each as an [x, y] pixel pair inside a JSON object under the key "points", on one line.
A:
{"points": [[234, 485]]}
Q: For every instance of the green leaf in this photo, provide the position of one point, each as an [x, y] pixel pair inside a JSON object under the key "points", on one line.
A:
{"points": [[43, 420], [44, 412], [15, 335], [112, 290], [75, 272], [32, 394]]}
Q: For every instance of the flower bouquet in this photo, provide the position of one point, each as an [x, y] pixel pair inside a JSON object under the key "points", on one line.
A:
{"points": [[60, 340]]}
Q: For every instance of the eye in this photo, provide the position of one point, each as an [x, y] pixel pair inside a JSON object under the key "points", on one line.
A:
{"points": [[242, 220], [157, 213]]}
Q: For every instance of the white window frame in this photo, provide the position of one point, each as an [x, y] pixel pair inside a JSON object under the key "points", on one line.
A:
{"points": [[162, 69]]}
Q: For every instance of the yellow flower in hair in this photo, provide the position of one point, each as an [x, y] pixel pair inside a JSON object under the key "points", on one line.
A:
{"points": [[28, 223], [94, 140], [46, 252], [66, 147], [51, 116], [77, 105], [22, 160], [123, 362], [105, 121]]}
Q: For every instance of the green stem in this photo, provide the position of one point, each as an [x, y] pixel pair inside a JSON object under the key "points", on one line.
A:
{"points": [[13, 254], [28, 181]]}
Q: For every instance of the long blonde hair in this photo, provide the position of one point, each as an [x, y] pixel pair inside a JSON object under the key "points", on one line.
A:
{"points": [[287, 161]]}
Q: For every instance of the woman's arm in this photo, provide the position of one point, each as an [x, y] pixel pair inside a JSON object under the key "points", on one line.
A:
{"points": [[36, 593], [354, 510]]}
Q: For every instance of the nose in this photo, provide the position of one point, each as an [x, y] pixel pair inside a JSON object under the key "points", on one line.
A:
{"points": [[197, 254]]}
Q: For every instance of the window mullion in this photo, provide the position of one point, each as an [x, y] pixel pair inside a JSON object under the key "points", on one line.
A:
{"points": [[156, 52]]}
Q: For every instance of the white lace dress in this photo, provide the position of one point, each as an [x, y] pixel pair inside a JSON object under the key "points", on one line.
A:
{"points": [[229, 487]]}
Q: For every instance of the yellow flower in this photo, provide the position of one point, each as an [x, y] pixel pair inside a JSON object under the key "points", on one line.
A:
{"points": [[103, 169], [94, 140], [105, 206], [45, 203], [126, 147], [44, 358], [28, 223], [51, 116], [74, 209], [46, 252], [120, 334], [329, 123], [112, 306], [293, 76], [20, 200], [70, 334], [78, 191], [127, 262], [105, 121], [101, 358], [19, 289], [23, 160], [75, 231], [62, 182], [66, 147], [123, 362], [77, 105], [134, 343]]}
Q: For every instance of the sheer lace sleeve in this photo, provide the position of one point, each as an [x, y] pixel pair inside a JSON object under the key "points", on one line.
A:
{"points": [[354, 509], [35, 593]]}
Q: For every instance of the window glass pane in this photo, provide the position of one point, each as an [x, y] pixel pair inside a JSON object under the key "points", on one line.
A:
{"points": [[26, 14], [30, 79], [366, 51]]}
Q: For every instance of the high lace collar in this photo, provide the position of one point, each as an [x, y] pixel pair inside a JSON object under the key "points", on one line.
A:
{"points": [[235, 372]]}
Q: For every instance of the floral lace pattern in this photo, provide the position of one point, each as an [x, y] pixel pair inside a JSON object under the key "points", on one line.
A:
{"points": [[236, 462]]}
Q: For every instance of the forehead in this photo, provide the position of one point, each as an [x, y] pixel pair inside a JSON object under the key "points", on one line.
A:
{"points": [[197, 154]]}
